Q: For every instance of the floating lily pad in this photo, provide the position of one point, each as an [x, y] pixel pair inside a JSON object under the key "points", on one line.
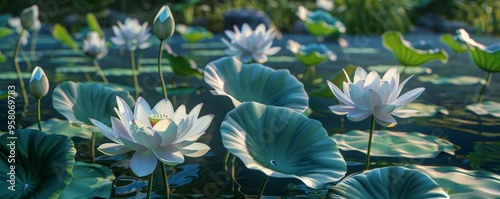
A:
{"points": [[12, 75], [209, 53], [485, 108], [409, 70], [228, 76], [281, 59], [80, 101], [426, 110], [75, 69], [89, 181], [337, 79], [360, 50], [67, 60], [486, 156], [41, 167], [408, 55], [63, 127], [458, 80], [388, 182], [461, 183], [394, 144]]}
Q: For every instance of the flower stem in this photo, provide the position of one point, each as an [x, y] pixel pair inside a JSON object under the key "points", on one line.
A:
{"points": [[367, 161], [262, 186], [33, 43], [483, 89], [39, 118], [165, 180], [18, 70], [226, 160], [160, 72], [150, 186], [92, 146], [99, 70], [134, 73]]}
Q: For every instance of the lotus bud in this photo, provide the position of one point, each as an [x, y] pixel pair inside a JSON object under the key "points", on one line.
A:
{"points": [[164, 24], [29, 17], [39, 84]]}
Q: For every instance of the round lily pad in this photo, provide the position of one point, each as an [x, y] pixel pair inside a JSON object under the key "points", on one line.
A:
{"points": [[457, 80], [36, 164], [485, 108], [394, 144], [89, 181]]}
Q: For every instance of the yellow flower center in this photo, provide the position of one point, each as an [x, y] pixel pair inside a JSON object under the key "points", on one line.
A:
{"points": [[155, 118]]}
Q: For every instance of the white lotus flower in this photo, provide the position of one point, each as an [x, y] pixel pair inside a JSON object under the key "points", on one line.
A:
{"points": [[249, 44], [131, 34], [39, 83], [154, 134], [325, 4], [370, 95], [94, 45]]}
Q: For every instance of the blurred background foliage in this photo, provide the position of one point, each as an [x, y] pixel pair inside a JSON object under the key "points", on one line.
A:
{"points": [[359, 16]]}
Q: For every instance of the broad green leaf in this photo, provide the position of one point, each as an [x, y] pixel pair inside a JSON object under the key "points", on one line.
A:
{"points": [[63, 127], [4, 95], [42, 164], [183, 66], [89, 181], [485, 57], [337, 79], [193, 34], [60, 33], [388, 182], [94, 24], [407, 54], [4, 31], [394, 144], [454, 45], [283, 143], [3, 58], [426, 110], [458, 80]]}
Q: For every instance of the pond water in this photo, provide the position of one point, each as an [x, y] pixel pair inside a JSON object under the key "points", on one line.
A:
{"points": [[475, 138]]}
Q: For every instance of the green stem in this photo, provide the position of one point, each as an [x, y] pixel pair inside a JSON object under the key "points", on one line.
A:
{"points": [[165, 180], [226, 160], [99, 70], [134, 74], [160, 72], [92, 146], [33, 43], [483, 89], [367, 161], [233, 173], [150, 186], [262, 186], [39, 118], [18, 70], [27, 59]]}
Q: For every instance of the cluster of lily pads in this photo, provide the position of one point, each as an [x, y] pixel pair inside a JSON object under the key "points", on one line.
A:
{"points": [[268, 129]]}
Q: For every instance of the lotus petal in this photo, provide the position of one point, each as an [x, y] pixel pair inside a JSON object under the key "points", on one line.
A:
{"points": [[282, 143], [407, 54], [255, 82], [42, 164], [80, 101], [388, 182], [394, 144], [461, 183]]}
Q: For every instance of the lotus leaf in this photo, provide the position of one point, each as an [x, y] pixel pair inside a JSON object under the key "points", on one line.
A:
{"points": [[337, 79], [485, 57], [394, 144], [458, 80], [485, 108], [410, 70], [320, 23], [426, 110], [452, 41], [486, 155], [60, 33], [182, 65], [63, 127], [89, 181], [407, 54], [94, 24], [193, 34]]}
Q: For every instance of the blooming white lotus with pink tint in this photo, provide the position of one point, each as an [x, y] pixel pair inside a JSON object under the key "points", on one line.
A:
{"points": [[154, 134], [249, 44], [371, 95], [131, 34]]}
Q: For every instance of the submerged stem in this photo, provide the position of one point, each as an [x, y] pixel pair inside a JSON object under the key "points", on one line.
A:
{"points": [[18, 70], [165, 180], [92, 146], [160, 72], [483, 89], [33, 43], [150, 186], [262, 186], [38, 118], [134, 74], [99, 70], [367, 160]]}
